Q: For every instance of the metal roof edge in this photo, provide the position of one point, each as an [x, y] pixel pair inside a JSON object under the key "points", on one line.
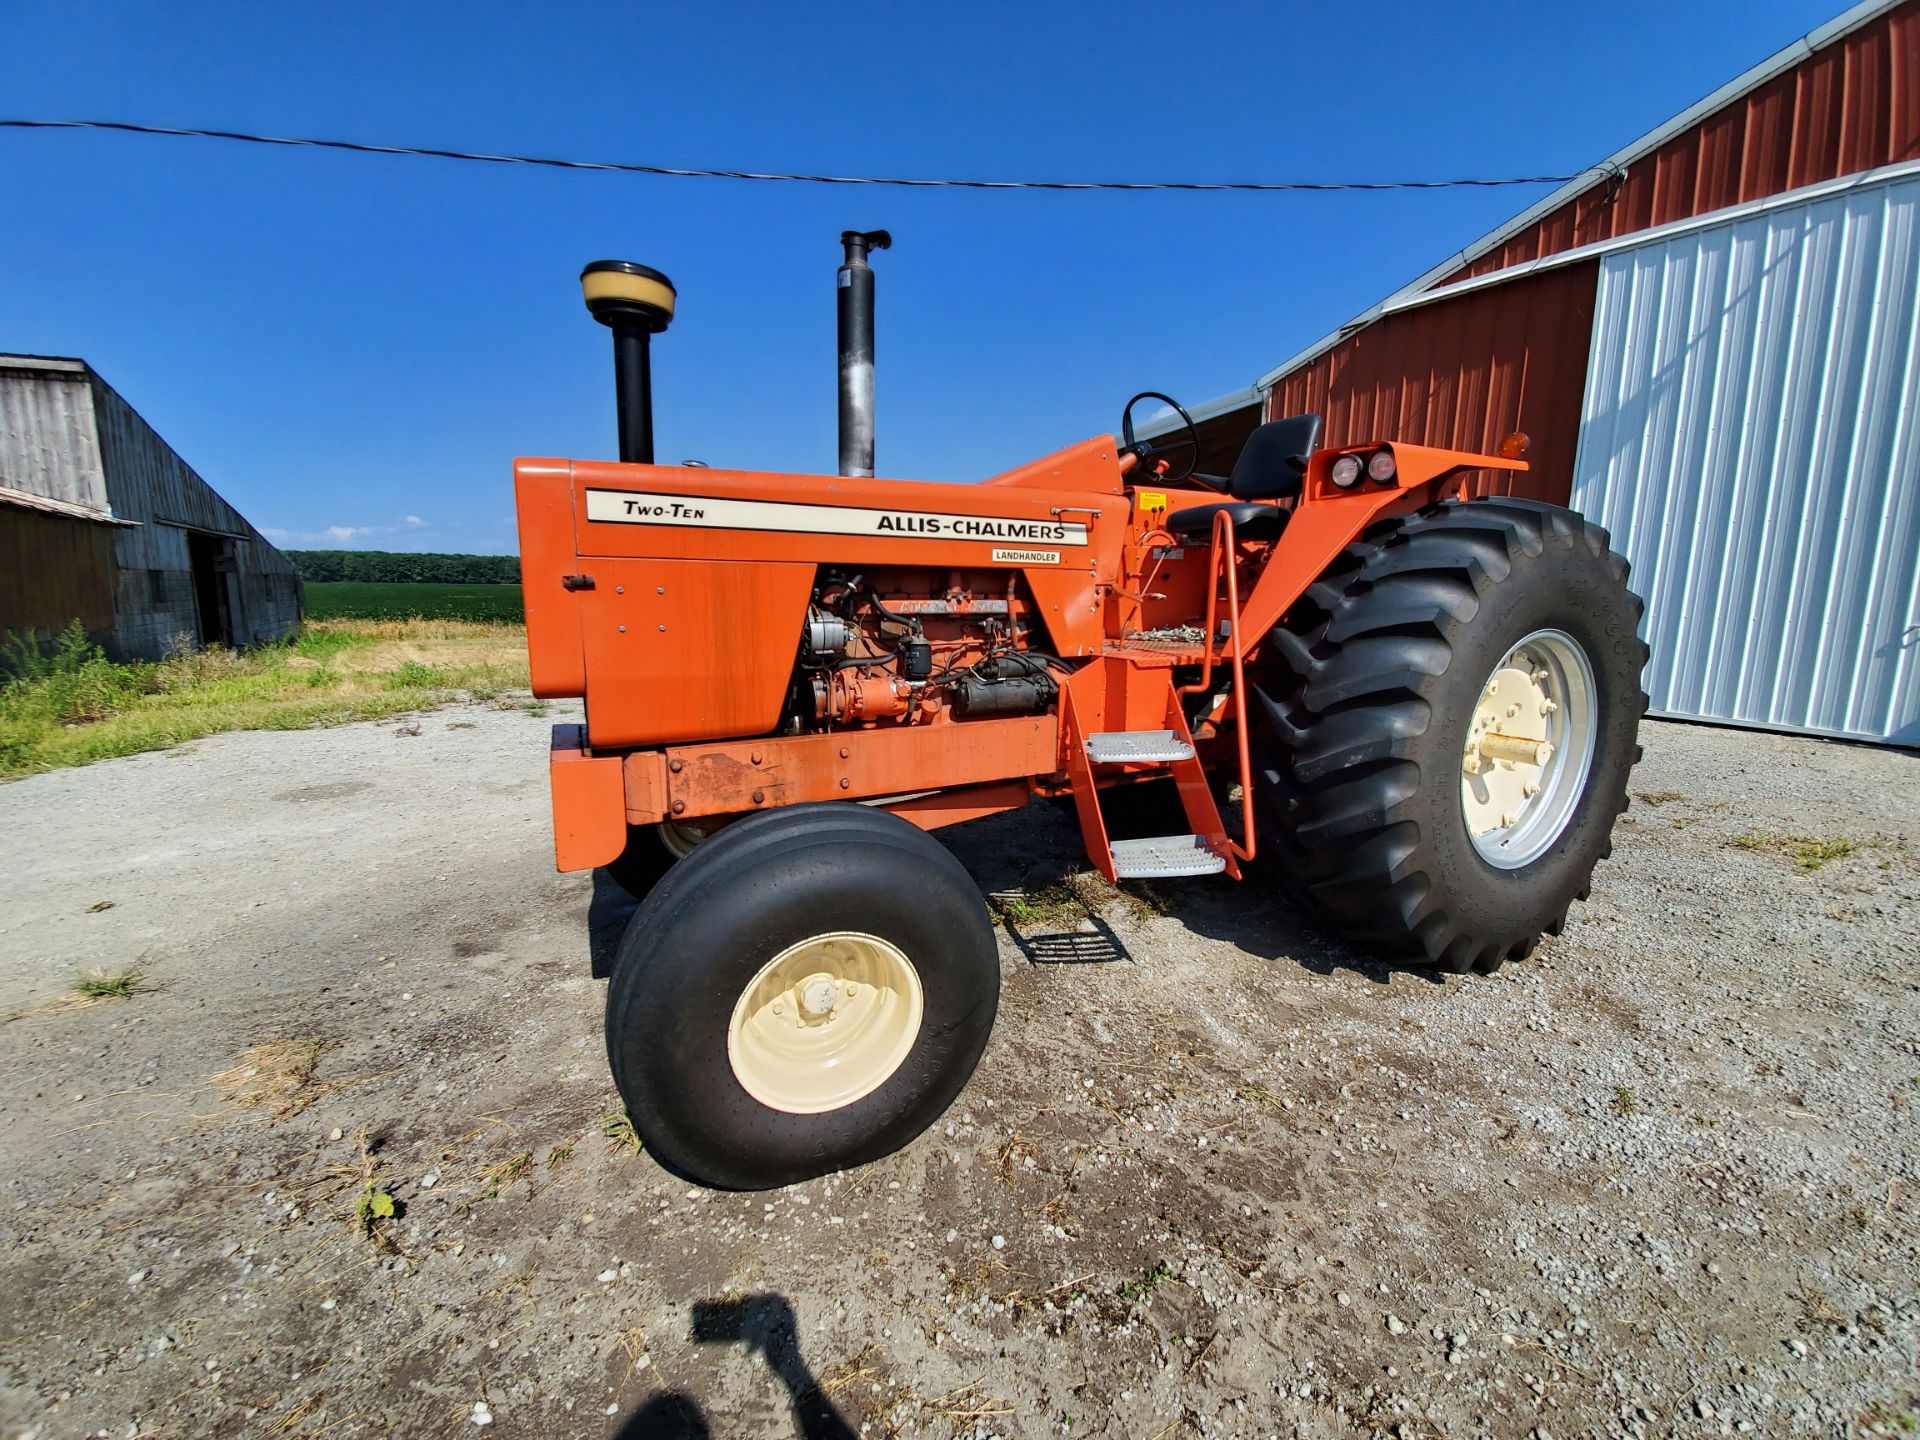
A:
{"points": [[71, 509], [1655, 234], [1814, 40], [44, 364]]}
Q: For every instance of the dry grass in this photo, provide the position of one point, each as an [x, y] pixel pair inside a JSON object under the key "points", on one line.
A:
{"points": [[503, 1173], [277, 1077], [965, 1406], [837, 1377]]}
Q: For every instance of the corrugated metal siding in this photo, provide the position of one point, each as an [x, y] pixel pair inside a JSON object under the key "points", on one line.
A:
{"points": [[47, 441], [1749, 438], [1851, 106], [1464, 373]]}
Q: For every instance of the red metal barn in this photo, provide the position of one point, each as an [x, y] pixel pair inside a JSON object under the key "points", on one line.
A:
{"points": [[1710, 340]]}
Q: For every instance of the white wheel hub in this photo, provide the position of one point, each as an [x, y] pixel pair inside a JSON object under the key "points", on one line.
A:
{"points": [[825, 1022], [1529, 749]]}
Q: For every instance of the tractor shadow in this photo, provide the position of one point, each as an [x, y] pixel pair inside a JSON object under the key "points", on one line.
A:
{"points": [[1036, 851], [1042, 945], [607, 915]]}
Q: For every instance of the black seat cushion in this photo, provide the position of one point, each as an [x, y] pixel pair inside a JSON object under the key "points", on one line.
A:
{"points": [[1266, 468], [1250, 521]]}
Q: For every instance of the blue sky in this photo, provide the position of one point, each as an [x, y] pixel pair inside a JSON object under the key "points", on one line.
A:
{"points": [[353, 349]]}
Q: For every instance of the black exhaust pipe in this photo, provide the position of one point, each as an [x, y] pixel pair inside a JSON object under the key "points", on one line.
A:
{"points": [[855, 282], [636, 303]]}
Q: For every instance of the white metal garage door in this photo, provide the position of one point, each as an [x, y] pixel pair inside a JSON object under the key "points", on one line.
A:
{"points": [[1748, 436]]}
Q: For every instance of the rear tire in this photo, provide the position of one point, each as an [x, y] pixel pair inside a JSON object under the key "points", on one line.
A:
{"points": [[734, 974], [1377, 688], [651, 851]]}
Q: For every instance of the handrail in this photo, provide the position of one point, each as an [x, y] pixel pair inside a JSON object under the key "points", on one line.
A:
{"points": [[1223, 544]]}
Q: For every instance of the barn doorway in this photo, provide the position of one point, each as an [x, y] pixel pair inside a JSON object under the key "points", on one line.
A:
{"points": [[211, 557]]}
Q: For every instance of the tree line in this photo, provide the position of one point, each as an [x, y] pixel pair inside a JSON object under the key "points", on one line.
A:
{"points": [[392, 567]]}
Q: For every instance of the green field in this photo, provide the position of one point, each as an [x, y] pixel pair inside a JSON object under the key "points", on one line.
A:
{"points": [[364, 600]]}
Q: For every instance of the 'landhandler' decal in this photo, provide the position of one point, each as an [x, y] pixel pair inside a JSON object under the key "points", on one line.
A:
{"points": [[1004, 556], [628, 507]]}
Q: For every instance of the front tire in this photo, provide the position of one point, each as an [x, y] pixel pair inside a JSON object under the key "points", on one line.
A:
{"points": [[1447, 722], [807, 991]]}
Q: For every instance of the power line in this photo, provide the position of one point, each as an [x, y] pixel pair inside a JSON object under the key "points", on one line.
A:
{"points": [[357, 147]]}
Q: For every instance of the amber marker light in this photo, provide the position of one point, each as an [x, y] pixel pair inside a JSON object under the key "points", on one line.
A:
{"points": [[1515, 445]]}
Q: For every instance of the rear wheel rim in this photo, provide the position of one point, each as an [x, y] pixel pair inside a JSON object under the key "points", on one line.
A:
{"points": [[678, 838], [1529, 749], [825, 1022]]}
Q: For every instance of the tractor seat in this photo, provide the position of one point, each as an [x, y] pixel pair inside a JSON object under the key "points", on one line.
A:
{"points": [[1251, 520]]}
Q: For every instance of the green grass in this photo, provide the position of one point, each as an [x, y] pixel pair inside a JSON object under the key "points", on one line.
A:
{"points": [[105, 985], [365, 600], [1810, 852], [75, 706]]}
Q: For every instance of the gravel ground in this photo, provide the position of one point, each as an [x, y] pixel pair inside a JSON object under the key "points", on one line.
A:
{"points": [[1216, 1175]]}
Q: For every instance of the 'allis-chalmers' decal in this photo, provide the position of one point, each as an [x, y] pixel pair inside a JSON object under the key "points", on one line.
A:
{"points": [[627, 507]]}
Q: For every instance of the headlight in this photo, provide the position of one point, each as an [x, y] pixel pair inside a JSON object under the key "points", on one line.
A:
{"points": [[1345, 471], [1382, 468]]}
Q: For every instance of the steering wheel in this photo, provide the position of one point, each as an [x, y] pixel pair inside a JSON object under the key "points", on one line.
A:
{"points": [[1148, 452]]}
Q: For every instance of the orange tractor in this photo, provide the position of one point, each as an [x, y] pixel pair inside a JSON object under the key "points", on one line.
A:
{"points": [[1415, 713]]}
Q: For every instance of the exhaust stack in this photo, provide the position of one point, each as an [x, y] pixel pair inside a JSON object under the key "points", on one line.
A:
{"points": [[855, 289], [636, 303]]}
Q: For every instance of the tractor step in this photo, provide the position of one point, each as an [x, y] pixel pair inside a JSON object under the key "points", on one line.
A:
{"points": [[1130, 747], [1164, 857]]}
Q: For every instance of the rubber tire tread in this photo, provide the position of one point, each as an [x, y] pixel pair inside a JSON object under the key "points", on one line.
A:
{"points": [[1360, 716], [756, 887]]}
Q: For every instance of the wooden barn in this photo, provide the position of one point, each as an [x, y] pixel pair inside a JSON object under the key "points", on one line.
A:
{"points": [[101, 522]]}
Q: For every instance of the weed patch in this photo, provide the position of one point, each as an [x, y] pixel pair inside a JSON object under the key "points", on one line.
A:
{"points": [[1141, 1290], [1809, 852], [622, 1138], [92, 988], [1058, 903], [503, 1173]]}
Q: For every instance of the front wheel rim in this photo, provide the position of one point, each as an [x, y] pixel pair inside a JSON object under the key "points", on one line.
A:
{"points": [[1529, 749], [825, 1022]]}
